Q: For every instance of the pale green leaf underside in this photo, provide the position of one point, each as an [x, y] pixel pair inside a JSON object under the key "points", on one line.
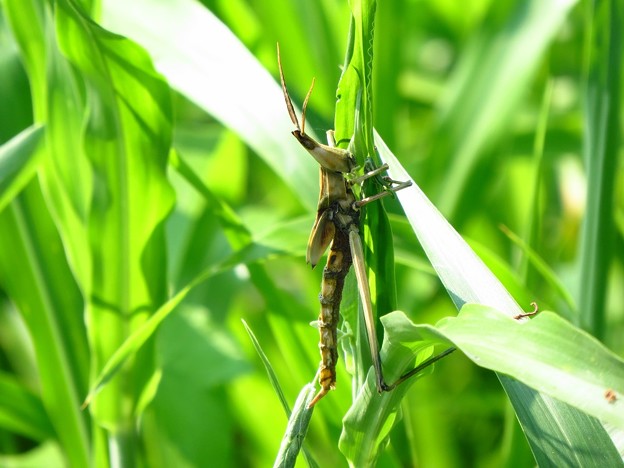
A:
{"points": [[547, 353], [468, 280]]}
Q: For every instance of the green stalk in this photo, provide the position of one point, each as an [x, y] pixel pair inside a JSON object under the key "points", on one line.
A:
{"points": [[354, 122], [601, 145]]}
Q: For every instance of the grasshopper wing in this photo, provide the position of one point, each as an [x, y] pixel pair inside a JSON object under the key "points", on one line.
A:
{"points": [[320, 237]]}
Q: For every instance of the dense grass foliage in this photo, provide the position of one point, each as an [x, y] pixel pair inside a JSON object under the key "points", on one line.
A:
{"points": [[152, 198]]}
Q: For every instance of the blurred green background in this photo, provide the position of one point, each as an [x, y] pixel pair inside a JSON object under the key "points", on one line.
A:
{"points": [[488, 105]]}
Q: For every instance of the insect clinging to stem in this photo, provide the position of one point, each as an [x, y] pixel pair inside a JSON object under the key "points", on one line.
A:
{"points": [[337, 226]]}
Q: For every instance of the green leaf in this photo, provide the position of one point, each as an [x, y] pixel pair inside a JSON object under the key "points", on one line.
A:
{"points": [[42, 287], [552, 356], [545, 432], [226, 81], [127, 139], [466, 279], [146, 330], [367, 424], [495, 69], [18, 162], [601, 146], [547, 353], [58, 103], [41, 283], [21, 411], [47, 454], [296, 430], [298, 419]]}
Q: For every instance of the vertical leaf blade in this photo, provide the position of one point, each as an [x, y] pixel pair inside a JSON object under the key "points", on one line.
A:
{"points": [[601, 150], [127, 140]]}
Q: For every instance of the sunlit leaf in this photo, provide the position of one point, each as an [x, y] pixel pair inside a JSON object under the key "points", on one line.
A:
{"points": [[18, 162], [226, 81], [127, 139], [467, 280]]}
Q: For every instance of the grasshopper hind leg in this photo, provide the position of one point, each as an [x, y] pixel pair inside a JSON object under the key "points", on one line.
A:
{"points": [[360, 274]]}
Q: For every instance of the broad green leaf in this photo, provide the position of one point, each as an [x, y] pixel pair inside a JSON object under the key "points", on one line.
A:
{"points": [[18, 162], [226, 81], [66, 175], [31, 42], [41, 282], [127, 139], [547, 353], [58, 102], [15, 98], [467, 280], [544, 430]]}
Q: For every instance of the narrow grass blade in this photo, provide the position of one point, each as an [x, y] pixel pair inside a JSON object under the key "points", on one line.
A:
{"points": [[142, 334], [296, 430], [299, 418], [43, 289], [269, 368], [543, 269]]}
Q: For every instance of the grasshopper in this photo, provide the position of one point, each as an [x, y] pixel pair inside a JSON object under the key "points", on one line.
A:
{"points": [[337, 222]]}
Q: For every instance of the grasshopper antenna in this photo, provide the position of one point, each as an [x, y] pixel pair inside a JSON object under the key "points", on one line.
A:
{"points": [[305, 106], [289, 104]]}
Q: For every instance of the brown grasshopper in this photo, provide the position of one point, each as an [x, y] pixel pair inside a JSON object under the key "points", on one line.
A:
{"points": [[337, 222]]}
